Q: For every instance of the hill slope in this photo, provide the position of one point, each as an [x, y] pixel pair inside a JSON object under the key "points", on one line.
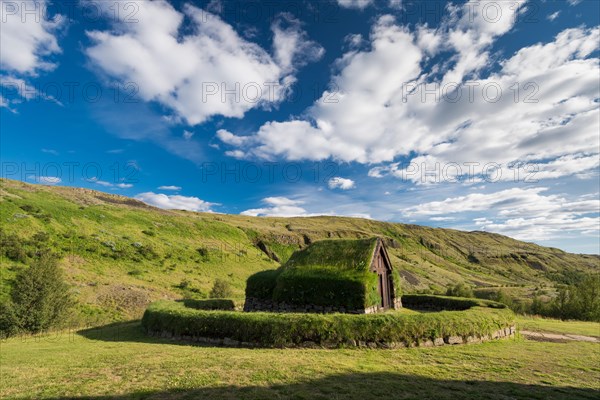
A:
{"points": [[120, 253]]}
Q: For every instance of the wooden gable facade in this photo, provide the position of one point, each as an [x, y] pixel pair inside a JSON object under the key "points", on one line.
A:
{"points": [[382, 266]]}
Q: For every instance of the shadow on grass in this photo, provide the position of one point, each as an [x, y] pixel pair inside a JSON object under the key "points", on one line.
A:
{"points": [[368, 386], [382, 385], [130, 331]]}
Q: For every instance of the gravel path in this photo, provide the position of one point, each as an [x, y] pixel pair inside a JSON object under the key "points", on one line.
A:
{"points": [[557, 337]]}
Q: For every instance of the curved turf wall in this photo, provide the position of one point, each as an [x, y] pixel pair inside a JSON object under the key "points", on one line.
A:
{"points": [[392, 329]]}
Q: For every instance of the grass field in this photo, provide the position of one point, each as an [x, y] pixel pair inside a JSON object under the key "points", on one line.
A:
{"points": [[558, 326], [120, 362]]}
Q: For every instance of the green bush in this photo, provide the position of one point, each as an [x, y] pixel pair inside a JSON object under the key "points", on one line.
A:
{"points": [[12, 247], [262, 284], [287, 329], [40, 297], [210, 304], [8, 320], [420, 301], [578, 301], [221, 289], [460, 290]]}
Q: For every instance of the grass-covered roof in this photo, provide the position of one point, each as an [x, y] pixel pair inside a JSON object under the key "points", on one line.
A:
{"points": [[326, 273], [349, 255]]}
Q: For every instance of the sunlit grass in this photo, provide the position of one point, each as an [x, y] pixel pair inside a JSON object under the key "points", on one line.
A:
{"points": [[558, 326], [122, 360]]}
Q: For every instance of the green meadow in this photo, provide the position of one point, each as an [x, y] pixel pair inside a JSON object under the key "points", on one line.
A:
{"points": [[121, 362]]}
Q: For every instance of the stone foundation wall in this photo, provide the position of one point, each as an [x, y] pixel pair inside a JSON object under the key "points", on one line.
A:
{"points": [[504, 333], [253, 304]]}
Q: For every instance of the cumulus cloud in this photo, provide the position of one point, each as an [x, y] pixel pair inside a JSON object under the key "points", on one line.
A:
{"points": [[520, 213], [278, 207], [191, 73], [27, 45], [28, 37], [359, 4], [453, 111], [320, 206], [175, 202], [341, 183], [48, 180]]}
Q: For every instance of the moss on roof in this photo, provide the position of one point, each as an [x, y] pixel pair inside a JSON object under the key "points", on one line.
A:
{"points": [[326, 273], [342, 255]]}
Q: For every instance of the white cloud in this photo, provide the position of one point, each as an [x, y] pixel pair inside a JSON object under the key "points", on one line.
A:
{"points": [[359, 4], [441, 219], [278, 207], [553, 122], [341, 183], [574, 2], [175, 202], [187, 135], [106, 184], [397, 4], [286, 207], [173, 188], [521, 213], [19, 90], [50, 151], [103, 183], [49, 180], [28, 38], [553, 16], [191, 73]]}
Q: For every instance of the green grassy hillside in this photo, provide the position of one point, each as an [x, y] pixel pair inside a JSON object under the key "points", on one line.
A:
{"points": [[119, 253]]}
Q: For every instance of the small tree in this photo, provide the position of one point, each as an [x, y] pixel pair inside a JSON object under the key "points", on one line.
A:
{"points": [[40, 296], [221, 289], [459, 290], [8, 320]]}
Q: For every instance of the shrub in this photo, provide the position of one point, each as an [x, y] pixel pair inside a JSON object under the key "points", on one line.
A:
{"points": [[210, 304], [12, 247], [221, 289], [184, 284], [40, 296], [203, 252], [578, 301], [424, 301], [285, 329], [146, 251], [460, 290], [8, 320]]}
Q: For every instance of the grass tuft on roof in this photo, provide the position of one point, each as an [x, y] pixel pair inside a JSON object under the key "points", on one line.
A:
{"points": [[339, 254]]}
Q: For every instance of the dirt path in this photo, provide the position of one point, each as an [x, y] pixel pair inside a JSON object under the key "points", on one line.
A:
{"points": [[557, 337]]}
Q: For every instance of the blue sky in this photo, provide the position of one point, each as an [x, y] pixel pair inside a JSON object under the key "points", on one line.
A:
{"points": [[480, 115]]}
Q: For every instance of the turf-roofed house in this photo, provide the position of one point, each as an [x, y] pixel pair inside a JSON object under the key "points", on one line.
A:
{"points": [[348, 276]]}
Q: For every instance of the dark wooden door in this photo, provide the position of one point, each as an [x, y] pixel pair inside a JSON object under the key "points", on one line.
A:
{"points": [[383, 283]]}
